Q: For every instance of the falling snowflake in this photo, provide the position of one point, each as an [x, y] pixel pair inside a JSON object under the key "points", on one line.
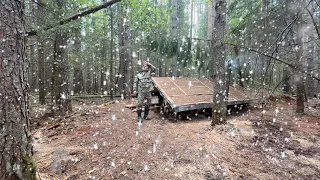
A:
{"points": [[95, 146], [146, 167], [154, 148]]}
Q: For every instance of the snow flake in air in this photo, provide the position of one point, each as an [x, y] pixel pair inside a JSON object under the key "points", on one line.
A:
{"points": [[146, 167], [63, 96], [95, 146], [139, 125], [113, 164]]}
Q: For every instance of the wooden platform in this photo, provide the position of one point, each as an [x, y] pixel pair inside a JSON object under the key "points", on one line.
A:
{"points": [[185, 94]]}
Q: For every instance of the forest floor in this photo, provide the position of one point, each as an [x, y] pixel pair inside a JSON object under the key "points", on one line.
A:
{"points": [[104, 142]]}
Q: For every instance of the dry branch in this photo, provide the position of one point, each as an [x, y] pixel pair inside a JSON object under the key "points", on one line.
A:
{"points": [[76, 16], [279, 60], [314, 23]]}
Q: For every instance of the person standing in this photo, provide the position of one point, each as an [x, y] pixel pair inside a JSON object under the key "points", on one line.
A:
{"points": [[143, 85]]}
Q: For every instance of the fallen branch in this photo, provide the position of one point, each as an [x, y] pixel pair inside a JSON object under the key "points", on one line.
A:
{"points": [[75, 17], [54, 125], [88, 96]]}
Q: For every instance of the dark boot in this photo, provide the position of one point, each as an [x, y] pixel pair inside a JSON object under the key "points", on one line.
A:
{"points": [[146, 113], [139, 115]]}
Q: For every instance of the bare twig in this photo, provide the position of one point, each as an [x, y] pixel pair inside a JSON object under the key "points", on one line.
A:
{"points": [[314, 23], [76, 16], [288, 26], [274, 89], [43, 6], [279, 60], [33, 44], [200, 39]]}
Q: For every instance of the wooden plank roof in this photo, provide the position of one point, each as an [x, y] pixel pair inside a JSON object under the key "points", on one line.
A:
{"points": [[193, 93]]}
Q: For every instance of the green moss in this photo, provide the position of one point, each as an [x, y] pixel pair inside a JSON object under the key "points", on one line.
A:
{"points": [[29, 170]]}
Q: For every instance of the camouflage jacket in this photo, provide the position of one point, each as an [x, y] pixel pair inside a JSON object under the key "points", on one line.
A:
{"points": [[143, 81]]}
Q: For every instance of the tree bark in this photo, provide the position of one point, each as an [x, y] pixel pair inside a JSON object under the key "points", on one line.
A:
{"points": [[41, 72], [127, 58], [41, 67], [191, 22], [174, 19], [15, 137], [299, 64], [78, 74], [286, 81], [33, 70], [210, 20], [239, 71], [60, 70], [104, 42], [310, 59], [89, 79], [264, 64], [32, 75], [121, 31], [219, 110], [111, 55]]}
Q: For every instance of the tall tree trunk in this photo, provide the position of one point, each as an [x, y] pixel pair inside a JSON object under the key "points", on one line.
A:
{"points": [[15, 136], [33, 70], [78, 72], [41, 72], [219, 110], [85, 64], [180, 18], [32, 54], [121, 31], [96, 73], [310, 65], [41, 66], [60, 73], [160, 66], [210, 19], [104, 59], [264, 62], [89, 78], [239, 71], [111, 55], [127, 73], [174, 19], [288, 41], [286, 80], [299, 64], [318, 73]]}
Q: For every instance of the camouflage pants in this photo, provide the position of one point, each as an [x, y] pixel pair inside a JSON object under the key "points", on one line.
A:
{"points": [[141, 97]]}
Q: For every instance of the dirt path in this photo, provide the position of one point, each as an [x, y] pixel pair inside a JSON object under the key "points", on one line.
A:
{"points": [[106, 143]]}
